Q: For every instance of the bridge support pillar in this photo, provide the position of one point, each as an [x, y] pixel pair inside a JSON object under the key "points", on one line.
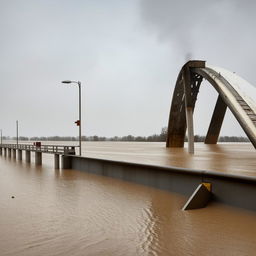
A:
{"points": [[9, 152], [5, 151], [38, 158], [1, 152], [14, 153], [66, 162], [56, 161], [19, 154], [28, 156]]}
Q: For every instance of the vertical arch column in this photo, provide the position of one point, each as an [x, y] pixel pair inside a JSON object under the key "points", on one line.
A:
{"points": [[186, 77], [216, 122]]}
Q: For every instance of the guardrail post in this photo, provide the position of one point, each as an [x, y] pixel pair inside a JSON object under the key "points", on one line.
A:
{"points": [[19, 154], [14, 153], [28, 156], [57, 161], [38, 158]]}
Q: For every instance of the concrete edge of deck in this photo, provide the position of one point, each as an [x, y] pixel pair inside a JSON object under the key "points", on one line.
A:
{"points": [[230, 189]]}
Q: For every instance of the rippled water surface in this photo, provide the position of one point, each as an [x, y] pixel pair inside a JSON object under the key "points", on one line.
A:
{"points": [[67, 212]]}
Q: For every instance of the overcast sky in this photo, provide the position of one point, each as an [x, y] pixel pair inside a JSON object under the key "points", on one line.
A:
{"points": [[127, 54]]}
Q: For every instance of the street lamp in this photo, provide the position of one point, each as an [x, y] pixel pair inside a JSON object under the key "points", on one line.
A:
{"points": [[78, 122]]}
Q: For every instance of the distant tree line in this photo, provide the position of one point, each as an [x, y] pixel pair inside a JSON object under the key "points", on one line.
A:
{"points": [[199, 138], [152, 138]]}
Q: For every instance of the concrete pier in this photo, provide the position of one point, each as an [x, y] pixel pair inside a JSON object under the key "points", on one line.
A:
{"points": [[1, 151], [14, 153], [57, 161], [38, 158], [9, 152], [5, 151], [28, 156], [19, 154]]}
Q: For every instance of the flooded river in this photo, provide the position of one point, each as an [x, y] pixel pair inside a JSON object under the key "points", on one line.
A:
{"points": [[233, 158], [68, 212]]}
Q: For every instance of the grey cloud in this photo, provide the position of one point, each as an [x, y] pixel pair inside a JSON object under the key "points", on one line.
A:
{"points": [[214, 30]]}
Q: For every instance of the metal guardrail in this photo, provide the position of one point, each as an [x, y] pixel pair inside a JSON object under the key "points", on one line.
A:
{"points": [[51, 149]]}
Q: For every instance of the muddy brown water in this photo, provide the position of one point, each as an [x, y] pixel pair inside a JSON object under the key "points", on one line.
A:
{"points": [[233, 158], [68, 212]]}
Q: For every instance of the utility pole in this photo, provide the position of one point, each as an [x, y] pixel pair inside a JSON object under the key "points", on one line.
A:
{"points": [[80, 121], [17, 133]]}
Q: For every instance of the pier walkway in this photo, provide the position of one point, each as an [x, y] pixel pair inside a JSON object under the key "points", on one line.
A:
{"points": [[13, 149]]}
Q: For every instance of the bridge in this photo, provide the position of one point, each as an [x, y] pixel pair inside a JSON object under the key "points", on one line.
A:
{"points": [[236, 190], [57, 150], [184, 99]]}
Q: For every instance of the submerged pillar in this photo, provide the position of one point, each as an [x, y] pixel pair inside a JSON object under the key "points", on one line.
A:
{"points": [[9, 152], [1, 152], [19, 154], [5, 151], [14, 153], [56, 161], [66, 162], [28, 156], [38, 158]]}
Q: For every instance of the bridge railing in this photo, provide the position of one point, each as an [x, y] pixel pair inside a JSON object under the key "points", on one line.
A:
{"points": [[51, 149]]}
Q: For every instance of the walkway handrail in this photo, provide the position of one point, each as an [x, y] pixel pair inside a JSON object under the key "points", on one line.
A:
{"points": [[51, 149]]}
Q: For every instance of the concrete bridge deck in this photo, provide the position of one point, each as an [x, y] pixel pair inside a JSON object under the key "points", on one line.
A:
{"points": [[229, 169]]}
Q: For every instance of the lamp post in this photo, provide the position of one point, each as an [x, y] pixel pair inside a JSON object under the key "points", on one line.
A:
{"points": [[78, 122]]}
